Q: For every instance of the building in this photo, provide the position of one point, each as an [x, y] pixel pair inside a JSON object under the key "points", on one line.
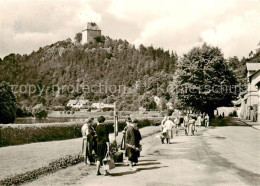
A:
{"points": [[169, 106], [90, 33], [254, 80], [81, 103], [249, 100], [102, 107]]}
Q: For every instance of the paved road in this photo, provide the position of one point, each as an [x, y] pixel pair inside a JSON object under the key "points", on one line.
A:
{"points": [[214, 156]]}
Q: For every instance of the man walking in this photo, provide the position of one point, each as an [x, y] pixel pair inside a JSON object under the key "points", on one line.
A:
{"points": [[207, 121]]}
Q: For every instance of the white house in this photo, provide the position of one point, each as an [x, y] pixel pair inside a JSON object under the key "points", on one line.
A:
{"points": [[77, 103], [102, 107], [169, 106]]}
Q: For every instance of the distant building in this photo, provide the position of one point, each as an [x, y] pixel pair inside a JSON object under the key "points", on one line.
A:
{"points": [[37, 107], [101, 107], [249, 100], [169, 106], [77, 103], [90, 33], [157, 100]]}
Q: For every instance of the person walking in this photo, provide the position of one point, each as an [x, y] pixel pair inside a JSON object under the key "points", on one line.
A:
{"points": [[192, 126], [102, 143], [198, 122], [128, 120], [207, 121], [163, 129], [168, 125], [131, 148], [138, 138], [186, 124], [88, 134], [123, 143]]}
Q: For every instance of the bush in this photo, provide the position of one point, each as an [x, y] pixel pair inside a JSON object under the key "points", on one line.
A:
{"points": [[41, 114], [21, 134], [23, 113], [8, 104]]}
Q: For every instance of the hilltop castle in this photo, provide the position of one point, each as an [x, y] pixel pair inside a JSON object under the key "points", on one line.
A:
{"points": [[90, 32]]}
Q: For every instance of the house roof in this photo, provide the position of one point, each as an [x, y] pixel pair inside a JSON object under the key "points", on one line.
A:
{"points": [[82, 101], [92, 26], [102, 105], [72, 102], [95, 105], [75, 101], [250, 77], [37, 106], [252, 66]]}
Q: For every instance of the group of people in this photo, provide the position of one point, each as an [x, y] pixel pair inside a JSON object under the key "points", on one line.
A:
{"points": [[190, 123], [96, 146]]}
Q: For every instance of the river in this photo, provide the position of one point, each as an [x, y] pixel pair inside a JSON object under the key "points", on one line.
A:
{"points": [[48, 120]]}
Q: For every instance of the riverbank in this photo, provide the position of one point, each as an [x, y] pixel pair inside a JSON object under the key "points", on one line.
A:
{"points": [[24, 158]]}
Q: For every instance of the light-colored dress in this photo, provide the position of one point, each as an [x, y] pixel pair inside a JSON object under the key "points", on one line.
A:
{"points": [[168, 125], [84, 132], [198, 122]]}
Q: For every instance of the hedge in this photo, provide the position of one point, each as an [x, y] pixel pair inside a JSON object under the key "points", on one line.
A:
{"points": [[17, 134]]}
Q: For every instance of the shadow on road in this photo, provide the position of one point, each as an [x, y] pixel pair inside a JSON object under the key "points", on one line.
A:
{"points": [[133, 172], [146, 160], [148, 163]]}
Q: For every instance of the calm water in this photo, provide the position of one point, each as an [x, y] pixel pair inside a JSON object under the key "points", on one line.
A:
{"points": [[48, 120]]}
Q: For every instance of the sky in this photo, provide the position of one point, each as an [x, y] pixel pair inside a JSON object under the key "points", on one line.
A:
{"points": [[176, 25]]}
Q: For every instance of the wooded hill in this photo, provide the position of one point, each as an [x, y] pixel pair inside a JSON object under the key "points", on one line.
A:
{"points": [[106, 61], [144, 71]]}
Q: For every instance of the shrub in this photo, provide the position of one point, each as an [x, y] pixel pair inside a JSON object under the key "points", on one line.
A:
{"points": [[21, 112], [21, 134], [41, 114], [8, 104]]}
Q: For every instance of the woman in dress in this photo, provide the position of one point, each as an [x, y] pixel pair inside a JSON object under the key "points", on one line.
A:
{"points": [[186, 124], [198, 122], [163, 130], [102, 143], [88, 133], [131, 148], [138, 137]]}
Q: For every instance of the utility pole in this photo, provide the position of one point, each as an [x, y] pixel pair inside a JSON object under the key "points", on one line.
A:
{"points": [[115, 124]]}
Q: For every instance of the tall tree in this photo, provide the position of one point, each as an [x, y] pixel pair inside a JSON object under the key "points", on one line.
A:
{"points": [[204, 81], [78, 37], [8, 104]]}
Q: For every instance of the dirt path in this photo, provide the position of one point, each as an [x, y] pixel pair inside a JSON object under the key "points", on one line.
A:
{"points": [[214, 156]]}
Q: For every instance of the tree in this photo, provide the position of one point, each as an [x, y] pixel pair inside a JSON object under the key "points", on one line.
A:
{"points": [[78, 37], [204, 81], [8, 104]]}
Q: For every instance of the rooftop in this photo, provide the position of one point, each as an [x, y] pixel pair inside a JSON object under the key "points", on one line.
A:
{"points": [[91, 26], [252, 66]]}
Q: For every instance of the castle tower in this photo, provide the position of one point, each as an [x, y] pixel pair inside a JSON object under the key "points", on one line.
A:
{"points": [[90, 32]]}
